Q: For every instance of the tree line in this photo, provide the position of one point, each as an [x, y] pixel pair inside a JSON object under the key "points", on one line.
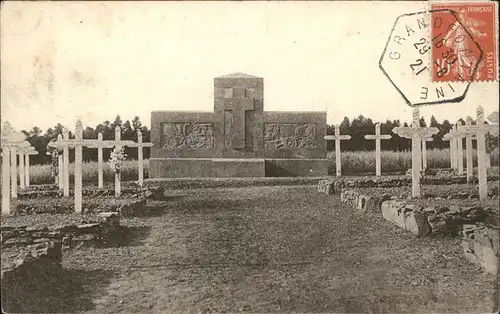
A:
{"points": [[361, 126], [357, 128], [40, 139]]}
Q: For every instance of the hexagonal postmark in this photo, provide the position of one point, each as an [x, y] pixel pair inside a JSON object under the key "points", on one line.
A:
{"points": [[408, 64]]}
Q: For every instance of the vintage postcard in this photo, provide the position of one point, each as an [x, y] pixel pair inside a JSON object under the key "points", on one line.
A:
{"points": [[249, 156]]}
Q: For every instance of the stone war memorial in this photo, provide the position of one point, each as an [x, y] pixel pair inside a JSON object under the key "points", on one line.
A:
{"points": [[239, 138]]}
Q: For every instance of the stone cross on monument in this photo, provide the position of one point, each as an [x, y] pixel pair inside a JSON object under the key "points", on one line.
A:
{"points": [[337, 138], [378, 153], [480, 129], [10, 140], [417, 134], [238, 103]]}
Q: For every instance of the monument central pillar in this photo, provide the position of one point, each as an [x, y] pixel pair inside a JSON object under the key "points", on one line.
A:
{"points": [[239, 139]]}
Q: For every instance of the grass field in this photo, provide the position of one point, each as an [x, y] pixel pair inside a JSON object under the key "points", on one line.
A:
{"points": [[364, 161], [352, 163]]}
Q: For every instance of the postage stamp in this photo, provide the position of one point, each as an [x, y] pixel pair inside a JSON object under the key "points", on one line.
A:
{"points": [[456, 31], [408, 63]]}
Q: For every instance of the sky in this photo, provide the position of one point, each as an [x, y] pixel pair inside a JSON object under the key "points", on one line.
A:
{"points": [[93, 60]]}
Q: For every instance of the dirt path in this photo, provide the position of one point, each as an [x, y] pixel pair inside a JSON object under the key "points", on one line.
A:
{"points": [[273, 249]]}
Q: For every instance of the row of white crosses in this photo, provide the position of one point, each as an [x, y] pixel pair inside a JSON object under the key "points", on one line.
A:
{"points": [[419, 135], [13, 144], [63, 142], [378, 153], [479, 130]]}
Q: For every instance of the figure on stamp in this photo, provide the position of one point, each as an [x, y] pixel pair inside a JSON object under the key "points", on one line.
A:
{"points": [[456, 41]]}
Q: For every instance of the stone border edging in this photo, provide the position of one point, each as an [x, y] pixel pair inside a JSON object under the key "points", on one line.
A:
{"points": [[480, 241], [152, 192], [69, 235], [335, 185]]}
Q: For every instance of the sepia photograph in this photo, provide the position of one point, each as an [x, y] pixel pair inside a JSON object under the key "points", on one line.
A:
{"points": [[249, 156]]}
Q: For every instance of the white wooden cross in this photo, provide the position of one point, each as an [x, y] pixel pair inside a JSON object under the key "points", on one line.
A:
{"points": [[140, 145], [460, 149], [417, 134], [493, 119], [100, 144], [480, 129], [454, 146], [424, 152], [378, 153], [449, 138], [28, 152], [78, 165], [337, 138], [65, 147], [60, 166], [468, 146], [78, 144], [10, 139], [24, 150]]}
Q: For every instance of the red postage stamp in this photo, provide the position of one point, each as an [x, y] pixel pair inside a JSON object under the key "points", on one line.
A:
{"points": [[465, 42]]}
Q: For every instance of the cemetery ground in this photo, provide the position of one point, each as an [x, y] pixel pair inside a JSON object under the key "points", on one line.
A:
{"points": [[264, 249]]}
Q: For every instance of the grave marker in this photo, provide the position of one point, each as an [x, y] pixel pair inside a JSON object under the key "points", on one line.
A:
{"points": [[468, 152], [10, 139], [480, 129], [100, 144], [65, 162], [416, 134], [78, 165], [100, 175], [24, 150], [378, 153], [28, 152], [448, 138], [118, 146], [337, 138], [140, 145], [60, 167], [20, 154], [454, 145], [469, 137], [424, 152], [460, 149]]}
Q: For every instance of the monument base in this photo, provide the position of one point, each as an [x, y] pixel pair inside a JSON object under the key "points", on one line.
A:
{"points": [[235, 168]]}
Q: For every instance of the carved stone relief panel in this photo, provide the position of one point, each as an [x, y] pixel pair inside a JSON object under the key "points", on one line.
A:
{"points": [[187, 135], [289, 135]]}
